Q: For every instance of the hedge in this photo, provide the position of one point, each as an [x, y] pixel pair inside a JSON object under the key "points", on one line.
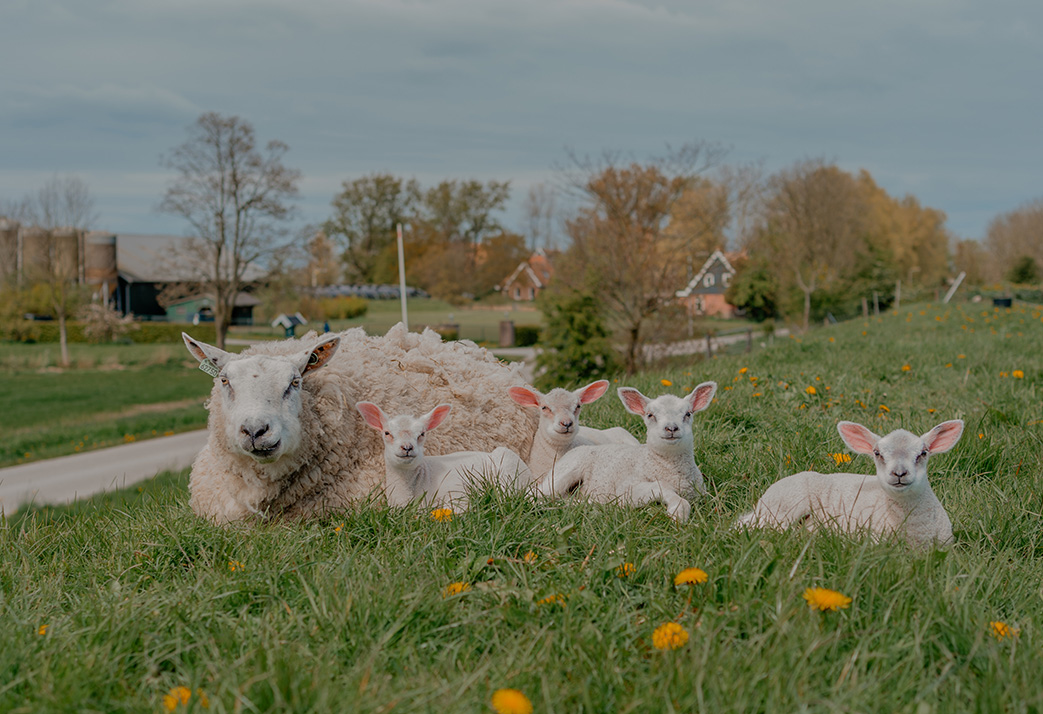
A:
{"points": [[526, 335], [146, 332]]}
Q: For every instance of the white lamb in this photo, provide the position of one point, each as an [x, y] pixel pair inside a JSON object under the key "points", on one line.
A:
{"points": [[663, 469], [437, 480], [559, 429], [898, 499]]}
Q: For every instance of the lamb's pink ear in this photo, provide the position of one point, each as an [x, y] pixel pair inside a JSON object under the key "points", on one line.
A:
{"points": [[319, 355], [701, 396], [860, 439], [634, 401], [592, 392], [436, 416], [944, 436], [524, 396], [206, 353], [373, 415]]}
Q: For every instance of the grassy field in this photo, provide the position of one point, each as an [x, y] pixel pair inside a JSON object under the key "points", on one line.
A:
{"points": [[114, 394], [117, 604]]}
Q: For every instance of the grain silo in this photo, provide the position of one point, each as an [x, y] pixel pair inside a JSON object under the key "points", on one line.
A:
{"points": [[8, 251], [100, 262], [36, 252], [66, 264]]}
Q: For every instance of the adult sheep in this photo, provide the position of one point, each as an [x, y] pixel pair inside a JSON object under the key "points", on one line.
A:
{"points": [[285, 437]]}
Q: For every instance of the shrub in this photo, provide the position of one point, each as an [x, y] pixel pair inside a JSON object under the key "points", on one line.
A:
{"points": [[101, 323], [343, 308], [576, 342], [526, 335], [147, 332]]}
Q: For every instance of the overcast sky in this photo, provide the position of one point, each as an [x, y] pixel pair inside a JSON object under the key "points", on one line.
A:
{"points": [[938, 98]]}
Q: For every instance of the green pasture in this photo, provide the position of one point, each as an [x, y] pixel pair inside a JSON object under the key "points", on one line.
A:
{"points": [[113, 394], [115, 604]]}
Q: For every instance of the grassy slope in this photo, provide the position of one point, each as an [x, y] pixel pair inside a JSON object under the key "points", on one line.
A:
{"points": [[347, 614], [118, 393]]}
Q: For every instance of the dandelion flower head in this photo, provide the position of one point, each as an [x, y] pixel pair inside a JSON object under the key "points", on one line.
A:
{"points": [[177, 695], [625, 570], [1001, 630], [666, 382], [455, 589], [511, 701], [825, 599], [669, 636], [442, 514], [691, 576], [810, 389]]}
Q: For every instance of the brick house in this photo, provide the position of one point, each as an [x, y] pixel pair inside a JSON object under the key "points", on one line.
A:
{"points": [[704, 294], [529, 278]]}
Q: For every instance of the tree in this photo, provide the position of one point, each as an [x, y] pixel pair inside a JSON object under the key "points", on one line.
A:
{"points": [[236, 198], [366, 215], [576, 343], [813, 227], [1012, 236], [1024, 271], [61, 211], [539, 217], [621, 242], [970, 257]]}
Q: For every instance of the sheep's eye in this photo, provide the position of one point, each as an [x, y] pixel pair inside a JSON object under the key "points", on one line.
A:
{"points": [[687, 415], [295, 383], [387, 433], [651, 416], [923, 453], [876, 453], [224, 381]]}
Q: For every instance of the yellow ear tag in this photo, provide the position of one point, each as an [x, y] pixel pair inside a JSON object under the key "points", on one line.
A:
{"points": [[209, 367]]}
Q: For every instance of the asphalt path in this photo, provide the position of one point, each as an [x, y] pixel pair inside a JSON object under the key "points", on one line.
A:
{"points": [[68, 478]]}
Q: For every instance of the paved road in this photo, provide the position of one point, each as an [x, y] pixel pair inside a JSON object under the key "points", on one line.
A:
{"points": [[67, 478]]}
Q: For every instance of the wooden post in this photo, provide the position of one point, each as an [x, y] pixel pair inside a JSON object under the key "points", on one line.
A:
{"points": [[709, 347], [402, 277], [898, 296]]}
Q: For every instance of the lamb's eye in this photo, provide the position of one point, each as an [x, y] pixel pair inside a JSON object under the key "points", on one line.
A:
{"points": [[650, 416], [387, 433], [546, 409], [876, 453], [687, 416]]}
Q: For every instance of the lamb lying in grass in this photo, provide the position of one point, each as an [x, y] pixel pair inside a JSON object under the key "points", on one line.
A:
{"points": [[559, 429], [898, 499], [437, 480], [663, 469], [286, 439]]}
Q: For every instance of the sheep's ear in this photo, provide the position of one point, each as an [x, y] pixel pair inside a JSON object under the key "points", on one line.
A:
{"points": [[524, 396], [206, 353], [319, 355], [701, 396], [860, 439], [592, 392], [435, 417], [373, 415], [944, 436], [634, 401]]}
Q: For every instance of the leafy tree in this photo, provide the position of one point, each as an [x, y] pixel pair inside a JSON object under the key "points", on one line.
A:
{"points": [[754, 289], [366, 214], [1024, 271], [576, 342], [1016, 234], [236, 198]]}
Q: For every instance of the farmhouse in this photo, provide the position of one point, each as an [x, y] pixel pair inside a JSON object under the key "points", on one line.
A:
{"points": [[529, 278], [704, 294]]}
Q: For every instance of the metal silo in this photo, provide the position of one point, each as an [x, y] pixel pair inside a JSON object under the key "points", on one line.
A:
{"points": [[36, 252], [66, 253], [100, 262]]}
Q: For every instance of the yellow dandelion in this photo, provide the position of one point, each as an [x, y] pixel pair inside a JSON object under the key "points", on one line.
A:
{"points": [[1001, 630], [981, 434], [669, 636], [511, 701], [556, 599], [743, 370], [691, 576], [339, 528], [1004, 374], [455, 589], [824, 599], [234, 565], [177, 695], [948, 364], [757, 394], [931, 411], [42, 630], [907, 368], [864, 333], [530, 557], [442, 514], [811, 389], [839, 458], [1017, 374], [883, 408], [204, 701], [625, 570], [961, 356], [666, 382]]}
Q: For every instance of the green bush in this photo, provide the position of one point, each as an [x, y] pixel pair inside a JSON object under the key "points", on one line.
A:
{"points": [[148, 332], [343, 308], [526, 335], [576, 341]]}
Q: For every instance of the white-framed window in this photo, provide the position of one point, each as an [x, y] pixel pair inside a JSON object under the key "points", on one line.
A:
{"points": [[726, 279], [708, 280], [517, 293], [532, 293]]}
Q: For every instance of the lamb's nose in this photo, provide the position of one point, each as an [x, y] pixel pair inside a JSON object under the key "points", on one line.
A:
{"points": [[900, 473], [672, 428], [567, 424], [407, 448]]}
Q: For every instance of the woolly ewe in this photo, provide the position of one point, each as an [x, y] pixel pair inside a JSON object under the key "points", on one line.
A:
{"points": [[286, 439], [663, 469], [437, 480], [898, 499], [559, 429]]}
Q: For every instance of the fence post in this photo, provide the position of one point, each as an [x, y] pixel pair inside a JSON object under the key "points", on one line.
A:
{"points": [[898, 296], [709, 347], [749, 340]]}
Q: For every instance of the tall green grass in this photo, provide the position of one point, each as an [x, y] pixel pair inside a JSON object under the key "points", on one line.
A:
{"points": [[347, 613]]}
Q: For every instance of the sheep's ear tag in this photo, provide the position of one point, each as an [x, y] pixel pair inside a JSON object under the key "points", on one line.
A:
{"points": [[209, 367]]}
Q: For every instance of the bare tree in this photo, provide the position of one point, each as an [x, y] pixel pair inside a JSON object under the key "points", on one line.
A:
{"points": [[235, 197], [539, 217], [60, 212], [620, 237], [1016, 236]]}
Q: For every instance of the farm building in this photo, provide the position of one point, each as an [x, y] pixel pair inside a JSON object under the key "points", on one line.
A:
{"points": [[529, 278], [704, 294]]}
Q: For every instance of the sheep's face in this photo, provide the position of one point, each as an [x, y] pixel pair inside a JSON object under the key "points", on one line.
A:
{"points": [[261, 396], [403, 435], [559, 408], [901, 456], [668, 419]]}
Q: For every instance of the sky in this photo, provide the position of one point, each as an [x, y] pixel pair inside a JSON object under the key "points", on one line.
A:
{"points": [[938, 98]]}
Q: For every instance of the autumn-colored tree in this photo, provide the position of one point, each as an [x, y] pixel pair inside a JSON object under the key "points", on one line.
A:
{"points": [[971, 257], [365, 217], [1015, 235], [323, 267], [621, 241]]}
